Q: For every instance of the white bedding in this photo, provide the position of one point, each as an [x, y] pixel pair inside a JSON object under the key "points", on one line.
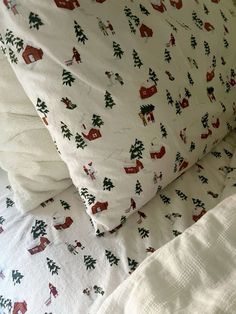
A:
{"points": [[75, 272]]}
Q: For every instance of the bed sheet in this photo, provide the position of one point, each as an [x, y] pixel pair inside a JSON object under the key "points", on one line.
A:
{"points": [[52, 262]]}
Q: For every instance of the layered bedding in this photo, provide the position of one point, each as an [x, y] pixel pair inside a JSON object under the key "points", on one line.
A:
{"points": [[52, 262]]}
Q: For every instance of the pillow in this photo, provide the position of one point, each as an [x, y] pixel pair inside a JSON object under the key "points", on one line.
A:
{"points": [[132, 93], [35, 170]]}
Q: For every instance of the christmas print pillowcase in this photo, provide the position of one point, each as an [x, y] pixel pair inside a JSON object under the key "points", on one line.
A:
{"points": [[35, 170], [132, 93]]}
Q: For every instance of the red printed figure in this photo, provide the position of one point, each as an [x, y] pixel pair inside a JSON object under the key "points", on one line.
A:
{"points": [[76, 56], [210, 75], [110, 27], [90, 171], [53, 290], [171, 42], [206, 135], [158, 5], [184, 103], [176, 3], [210, 93], [183, 135], [11, 5], [215, 123]]}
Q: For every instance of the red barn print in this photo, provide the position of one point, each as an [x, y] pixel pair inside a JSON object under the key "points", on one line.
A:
{"points": [[31, 54], [134, 169], [44, 242], [67, 4], [146, 92], [176, 3], [158, 5], [145, 31], [19, 308], [99, 207], [61, 223]]}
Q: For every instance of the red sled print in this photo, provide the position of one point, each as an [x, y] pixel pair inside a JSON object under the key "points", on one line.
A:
{"points": [[99, 207], [134, 169], [32, 54], [92, 135], [158, 5], [67, 4], [216, 124], [158, 155], [146, 92], [197, 217], [176, 3], [206, 135], [19, 308], [145, 31], [44, 242], [65, 225]]}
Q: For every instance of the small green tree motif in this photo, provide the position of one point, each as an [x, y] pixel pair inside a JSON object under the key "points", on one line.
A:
{"points": [[193, 42], [169, 98], [228, 153], [97, 121], [16, 277], [42, 107], [198, 203], [222, 106], [181, 195], [167, 56], [144, 233], [216, 154], [136, 150], [132, 264], [39, 229], [232, 73], [107, 184], [80, 142], [109, 100], [112, 259], [138, 188], [203, 179], [98, 290], [187, 93], [91, 199], [136, 20], [19, 44], [178, 110], [79, 33], [67, 78], [132, 29], [191, 82], [205, 121], [5, 304], [12, 56], [213, 63], [35, 21], [66, 131], [163, 131], [84, 192], [117, 51], [176, 233], [9, 202], [89, 262], [226, 43], [1, 220], [128, 12], [223, 16], [65, 205], [206, 9], [198, 22], [192, 147], [207, 48], [144, 10], [152, 76], [165, 199], [53, 267], [221, 79], [9, 37], [227, 87], [137, 61]]}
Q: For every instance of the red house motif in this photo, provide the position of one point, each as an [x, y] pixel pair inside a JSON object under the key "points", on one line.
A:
{"points": [[67, 4], [134, 169], [158, 154], [208, 26], [197, 217], [92, 135], [145, 31], [216, 124], [67, 222], [206, 135], [44, 242], [159, 7], [210, 75], [176, 3], [146, 92], [99, 207], [31, 54], [19, 308]]}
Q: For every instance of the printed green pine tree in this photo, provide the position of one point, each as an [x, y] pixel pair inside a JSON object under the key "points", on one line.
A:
{"points": [[117, 51], [132, 29], [137, 61], [132, 264], [232, 73], [223, 16], [88, 197], [144, 233], [165, 199], [213, 63], [191, 82], [138, 188], [205, 121], [5, 304], [39, 229], [221, 79], [65, 205], [9, 202], [9, 37], [97, 121], [16, 277], [41, 107], [80, 142], [187, 93], [89, 262], [206, 9], [181, 195], [227, 87], [13, 57], [112, 259], [67, 78], [128, 12], [53, 267], [226, 43], [144, 10], [198, 22], [109, 100], [228, 153], [152, 76], [107, 184], [198, 203], [1, 220], [203, 179], [99, 234], [216, 154], [207, 48], [169, 98], [167, 56], [35, 21], [176, 233], [178, 110], [79, 33], [193, 42], [192, 147], [163, 131], [136, 150], [66, 131], [19, 44]]}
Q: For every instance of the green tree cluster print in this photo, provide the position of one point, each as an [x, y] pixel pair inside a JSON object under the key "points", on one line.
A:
{"points": [[107, 184], [89, 262], [80, 142], [67, 78], [109, 100], [136, 150], [35, 21], [137, 61], [79, 33], [39, 229], [112, 259], [16, 277], [66, 131], [118, 52], [53, 267]]}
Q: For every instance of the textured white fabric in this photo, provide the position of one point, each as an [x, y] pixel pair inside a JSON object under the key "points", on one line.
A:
{"points": [[195, 273], [27, 153]]}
